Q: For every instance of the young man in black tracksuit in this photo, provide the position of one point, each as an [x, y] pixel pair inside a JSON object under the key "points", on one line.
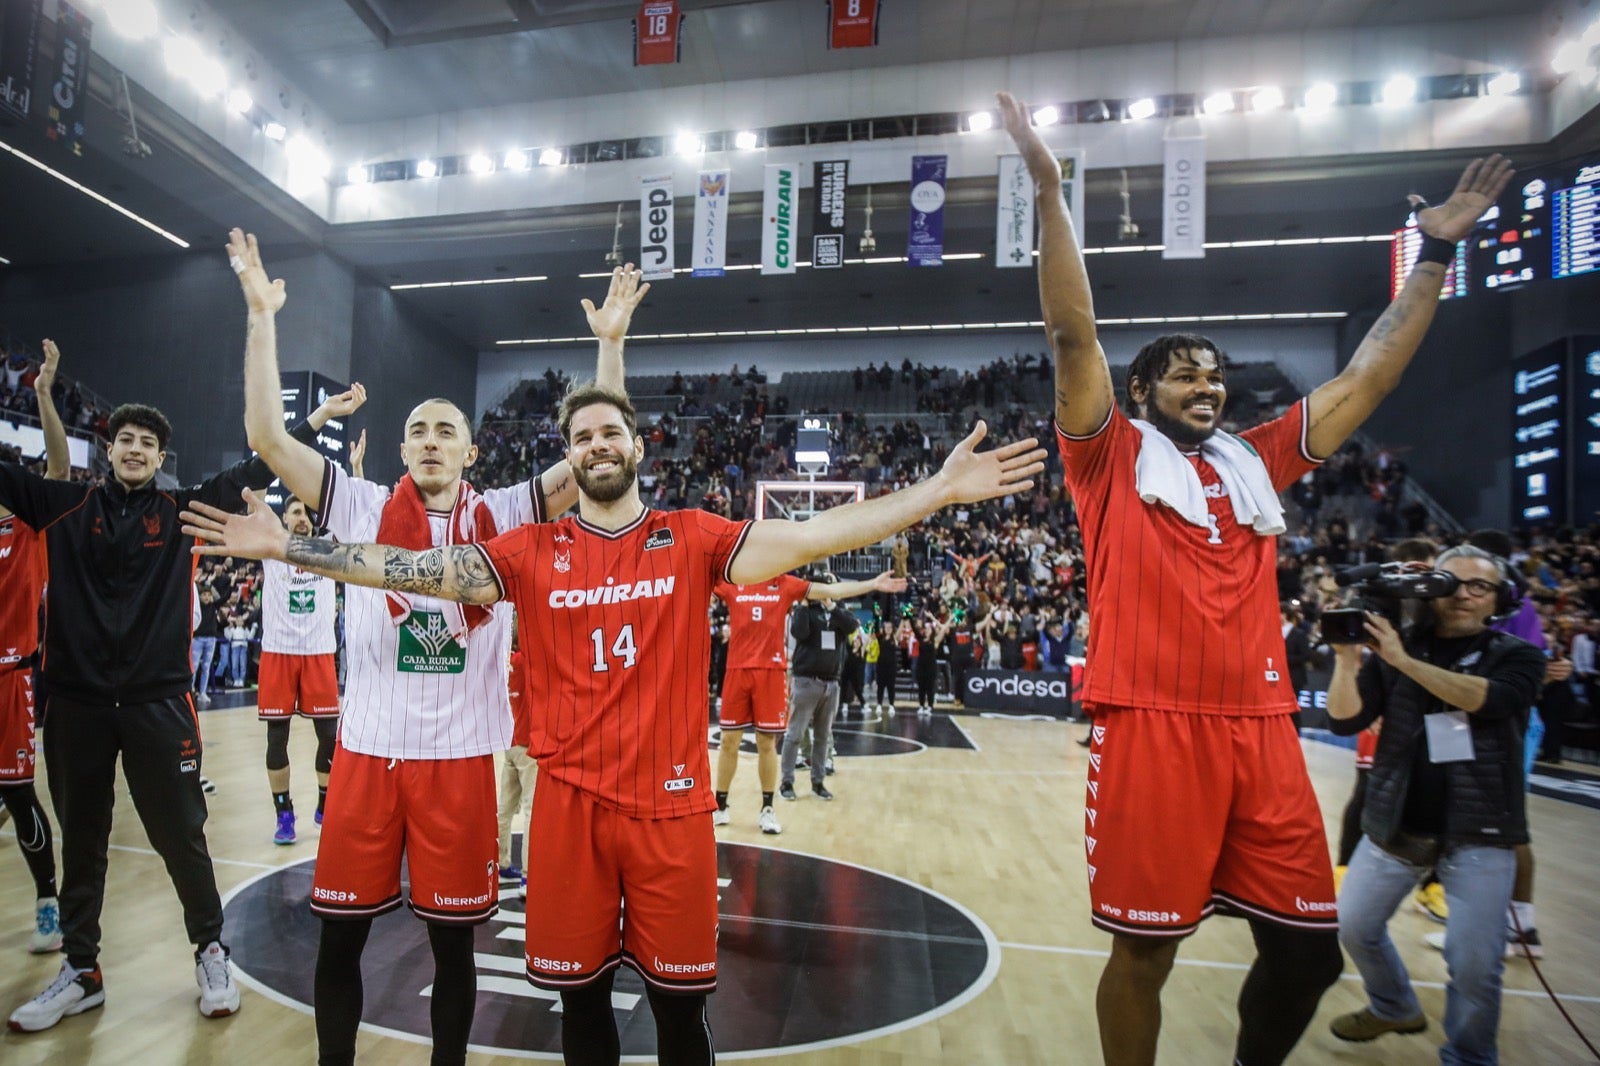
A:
{"points": [[116, 666]]}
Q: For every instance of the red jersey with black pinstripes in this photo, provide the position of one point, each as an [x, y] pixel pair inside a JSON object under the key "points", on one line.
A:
{"points": [[1181, 618], [758, 621], [613, 623], [22, 570]]}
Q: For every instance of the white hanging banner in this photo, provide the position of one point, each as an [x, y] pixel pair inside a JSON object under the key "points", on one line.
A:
{"points": [[1013, 225], [655, 228], [779, 195], [1183, 198], [708, 255]]}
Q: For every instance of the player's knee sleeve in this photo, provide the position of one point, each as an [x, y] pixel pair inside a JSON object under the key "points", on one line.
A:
{"points": [[327, 736], [278, 744], [683, 1035]]}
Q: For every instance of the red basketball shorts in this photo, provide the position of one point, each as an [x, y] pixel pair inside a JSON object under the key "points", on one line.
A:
{"points": [[304, 684], [586, 862], [16, 727], [754, 696], [1190, 813], [438, 813]]}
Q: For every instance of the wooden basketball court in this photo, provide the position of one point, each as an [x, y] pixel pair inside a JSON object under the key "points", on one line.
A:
{"points": [[997, 830]]}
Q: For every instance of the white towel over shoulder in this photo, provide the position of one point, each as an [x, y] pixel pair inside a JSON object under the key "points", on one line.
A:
{"points": [[1164, 475]]}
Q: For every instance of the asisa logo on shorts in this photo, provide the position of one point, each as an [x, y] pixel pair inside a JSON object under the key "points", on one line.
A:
{"points": [[426, 646]]}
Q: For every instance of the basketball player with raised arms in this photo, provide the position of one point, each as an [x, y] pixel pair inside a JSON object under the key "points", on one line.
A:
{"points": [[1198, 797], [753, 693], [425, 703], [611, 608]]}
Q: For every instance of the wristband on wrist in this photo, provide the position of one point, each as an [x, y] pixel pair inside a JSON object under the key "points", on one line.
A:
{"points": [[1436, 250]]}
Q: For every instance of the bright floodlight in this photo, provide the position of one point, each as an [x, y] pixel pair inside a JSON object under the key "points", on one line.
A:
{"points": [[1266, 98], [1504, 84], [427, 168], [550, 157], [1323, 94], [745, 140], [687, 144], [1218, 103], [1569, 57], [517, 159], [480, 164], [181, 54], [305, 157], [1048, 115], [1399, 90], [979, 121], [1142, 109], [132, 18], [275, 131], [357, 176], [1591, 34], [239, 102]]}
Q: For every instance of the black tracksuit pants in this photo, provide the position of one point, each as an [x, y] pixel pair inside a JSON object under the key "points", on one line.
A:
{"points": [[160, 747]]}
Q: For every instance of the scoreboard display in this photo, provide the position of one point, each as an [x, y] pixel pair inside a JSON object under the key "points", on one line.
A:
{"points": [[1539, 437], [303, 392], [1577, 225], [1403, 256], [1511, 246], [1586, 429]]}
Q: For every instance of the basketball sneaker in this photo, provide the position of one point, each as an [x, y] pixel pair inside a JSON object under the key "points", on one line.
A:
{"points": [[1527, 946], [213, 972], [72, 992], [720, 816], [1429, 899], [318, 816], [786, 790], [821, 791], [285, 833], [769, 822], [1363, 1025], [46, 928], [510, 875], [1434, 940]]}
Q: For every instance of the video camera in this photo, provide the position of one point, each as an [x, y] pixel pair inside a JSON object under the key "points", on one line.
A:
{"points": [[1381, 588]]}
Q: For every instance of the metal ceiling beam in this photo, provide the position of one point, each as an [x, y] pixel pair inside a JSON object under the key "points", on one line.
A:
{"points": [[525, 17]]}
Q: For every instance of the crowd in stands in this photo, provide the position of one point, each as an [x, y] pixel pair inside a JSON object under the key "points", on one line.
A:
{"points": [[17, 397]]}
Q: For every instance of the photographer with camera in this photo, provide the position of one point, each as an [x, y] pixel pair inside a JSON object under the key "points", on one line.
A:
{"points": [[1445, 791]]}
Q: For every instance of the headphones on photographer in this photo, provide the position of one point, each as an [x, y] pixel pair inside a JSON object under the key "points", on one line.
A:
{"points": [[1508, 593]]}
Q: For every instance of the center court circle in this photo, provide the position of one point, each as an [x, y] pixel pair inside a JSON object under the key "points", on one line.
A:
{"points": [[812, 953]]}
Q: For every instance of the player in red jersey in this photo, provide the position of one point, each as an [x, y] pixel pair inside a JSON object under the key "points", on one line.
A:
{"points": [[23, 573], [753, 693], [611, 607], [1198, 796]]}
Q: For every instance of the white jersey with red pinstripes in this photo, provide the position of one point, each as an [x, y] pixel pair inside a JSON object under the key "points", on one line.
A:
{"points": [[1181, 618], [613, 623], [412, 691], [297, 611]]}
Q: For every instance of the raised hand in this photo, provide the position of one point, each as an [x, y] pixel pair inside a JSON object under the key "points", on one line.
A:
{"points": [[256, 534], [46, 379], [969, 476], [1042, 163], [610, 321], [261, 294], [1480, 185], [358, 456], [887, 582], [345, 403]]}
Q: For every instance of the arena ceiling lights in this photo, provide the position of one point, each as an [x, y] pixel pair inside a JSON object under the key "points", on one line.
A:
{"points": [[91, 194], [942, 327]]}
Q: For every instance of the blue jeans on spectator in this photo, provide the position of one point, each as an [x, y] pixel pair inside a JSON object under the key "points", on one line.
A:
{"points": [[1477, 884], [239, 652], [201, 654]]}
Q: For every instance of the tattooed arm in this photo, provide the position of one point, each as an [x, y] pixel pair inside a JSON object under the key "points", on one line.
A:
{"points": [[460, 572], [1338, 407]]}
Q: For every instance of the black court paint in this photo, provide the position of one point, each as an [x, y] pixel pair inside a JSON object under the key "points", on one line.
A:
{"points": [[904, 734], [811, 953]]}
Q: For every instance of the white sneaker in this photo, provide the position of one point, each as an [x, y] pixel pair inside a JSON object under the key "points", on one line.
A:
{"points": [[46, 928], [72, 992], [213, 972], [1434, 940], [720, 816], [769, 822]]}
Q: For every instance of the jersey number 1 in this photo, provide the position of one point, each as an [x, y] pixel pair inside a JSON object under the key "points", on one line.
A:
{"points": [[622, 648]]}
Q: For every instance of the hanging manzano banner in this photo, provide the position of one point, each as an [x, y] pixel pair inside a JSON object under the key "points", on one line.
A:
{"points": [[1013, 225], [853, 23], [655, 228], [829, 180], [1183, 199], [19, 41], [925, 243], [657, 33], [779, 191], [69, 91], [709, 253]]}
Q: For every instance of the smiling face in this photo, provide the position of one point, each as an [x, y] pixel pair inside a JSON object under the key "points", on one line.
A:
{"points": [[295, 519], [438, 446], [1185, 402], [136, 455], [603, 454]]}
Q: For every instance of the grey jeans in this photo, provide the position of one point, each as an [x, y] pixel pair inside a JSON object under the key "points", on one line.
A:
{"points": [[813, 704]]}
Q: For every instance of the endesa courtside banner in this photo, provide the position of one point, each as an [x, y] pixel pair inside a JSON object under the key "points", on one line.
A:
{"points": [[1023, 692], [853, 23], [657, 33], [925, 243]]}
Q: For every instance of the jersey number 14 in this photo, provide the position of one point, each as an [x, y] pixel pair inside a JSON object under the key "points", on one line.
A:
{"points": [[622, 648]]}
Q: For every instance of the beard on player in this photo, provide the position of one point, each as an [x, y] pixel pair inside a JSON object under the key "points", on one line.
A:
{"points": [[611, 485]]}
